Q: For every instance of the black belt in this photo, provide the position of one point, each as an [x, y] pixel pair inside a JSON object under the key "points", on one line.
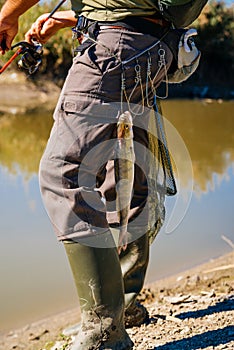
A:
{"points": [[146, 25], [157, 27]]}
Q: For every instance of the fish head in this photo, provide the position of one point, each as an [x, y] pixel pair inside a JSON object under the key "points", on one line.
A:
{"points": [[124, 126]]}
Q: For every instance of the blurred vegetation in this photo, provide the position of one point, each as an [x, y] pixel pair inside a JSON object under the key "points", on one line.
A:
{"points": [[216, 39], [57, 56]]}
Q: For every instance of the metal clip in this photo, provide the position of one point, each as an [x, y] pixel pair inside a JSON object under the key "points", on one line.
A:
{"points": [[138, 73], [161, 53]]}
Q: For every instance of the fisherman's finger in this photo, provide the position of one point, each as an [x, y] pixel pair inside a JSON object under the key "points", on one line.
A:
{"points": [[48, 30], [3, 47], [28, 36], [6, 44], [38, 25], [36, 29], [31, 36], [34, 32], [6, 41]]}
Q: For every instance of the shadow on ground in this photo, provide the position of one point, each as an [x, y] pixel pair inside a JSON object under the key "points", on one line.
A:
{"points": [[226, 305], [212, 338], [201, 341]]}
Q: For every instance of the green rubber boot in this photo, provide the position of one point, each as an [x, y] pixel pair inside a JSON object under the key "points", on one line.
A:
{"points": [[134, 262], [99, 284]]}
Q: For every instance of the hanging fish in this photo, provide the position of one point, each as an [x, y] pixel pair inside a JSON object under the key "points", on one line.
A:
{"points": [[124, 174]]}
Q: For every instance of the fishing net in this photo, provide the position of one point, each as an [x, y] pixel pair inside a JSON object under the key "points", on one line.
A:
{"points": [[161, 181]]}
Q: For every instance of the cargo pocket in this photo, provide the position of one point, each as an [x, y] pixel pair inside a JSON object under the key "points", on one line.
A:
{"points": [[110, 85]]}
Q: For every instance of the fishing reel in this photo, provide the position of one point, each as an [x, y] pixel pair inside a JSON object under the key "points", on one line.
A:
{"points": [[31, 55]]}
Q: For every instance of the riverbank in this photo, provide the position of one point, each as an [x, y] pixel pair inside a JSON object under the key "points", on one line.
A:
{"points": [[191, 310], [21, 94]]}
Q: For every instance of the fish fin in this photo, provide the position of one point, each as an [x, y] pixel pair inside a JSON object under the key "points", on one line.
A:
{"points": [[123, 239]]}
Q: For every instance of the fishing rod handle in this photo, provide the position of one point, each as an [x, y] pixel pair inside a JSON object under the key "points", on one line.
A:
{"points": [[10, 60]]}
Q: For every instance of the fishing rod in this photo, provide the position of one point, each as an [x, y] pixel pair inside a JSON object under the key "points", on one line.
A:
{"points": [[32, 58], [55, 9]]}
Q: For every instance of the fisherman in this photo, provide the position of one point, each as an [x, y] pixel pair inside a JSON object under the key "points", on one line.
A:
{"points": [[120, 63]]}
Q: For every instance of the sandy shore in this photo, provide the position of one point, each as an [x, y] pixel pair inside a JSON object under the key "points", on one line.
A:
{"points": [[192, 310], [20, 95]]}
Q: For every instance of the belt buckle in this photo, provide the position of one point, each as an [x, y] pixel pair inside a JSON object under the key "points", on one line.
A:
{"points": [[82, 23], [79, 29]]}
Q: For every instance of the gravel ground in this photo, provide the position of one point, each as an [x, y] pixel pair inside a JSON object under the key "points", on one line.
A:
{"points": [[193, 310]]}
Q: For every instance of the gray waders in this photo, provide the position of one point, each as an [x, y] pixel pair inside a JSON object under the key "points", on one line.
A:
{"points": [[107, 284]]}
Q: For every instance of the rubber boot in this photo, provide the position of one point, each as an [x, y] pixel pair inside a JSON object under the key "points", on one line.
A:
{"points": [[99, 284], [134, 262]]}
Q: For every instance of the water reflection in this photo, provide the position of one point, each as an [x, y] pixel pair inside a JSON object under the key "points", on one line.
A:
{"points": [[35, 276], [22, 140], [207, 130], [205, 127]]}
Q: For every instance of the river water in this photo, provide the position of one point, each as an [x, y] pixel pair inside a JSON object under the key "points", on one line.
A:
{"points": [[35, 277]]}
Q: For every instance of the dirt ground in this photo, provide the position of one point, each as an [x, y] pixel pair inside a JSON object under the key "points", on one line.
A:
{"points": [[192, 310]]}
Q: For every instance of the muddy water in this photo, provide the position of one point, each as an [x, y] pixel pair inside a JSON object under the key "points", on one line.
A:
{"points": [[34, 273]]}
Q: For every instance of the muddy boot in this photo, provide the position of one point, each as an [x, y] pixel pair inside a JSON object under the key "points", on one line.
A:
{"points": [[135, 315], [134, 261], [99, 284]]}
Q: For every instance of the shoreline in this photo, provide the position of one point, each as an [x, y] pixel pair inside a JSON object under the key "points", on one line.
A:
{"points": [[34, 336], [20, 94]]}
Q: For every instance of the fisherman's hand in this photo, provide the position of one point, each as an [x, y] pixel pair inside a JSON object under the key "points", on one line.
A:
{"points": [[8, 31], [44, 28]]}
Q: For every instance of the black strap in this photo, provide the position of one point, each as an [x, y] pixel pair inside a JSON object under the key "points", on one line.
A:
{"points": [[133, 23], [136, 24], [140, 25]]}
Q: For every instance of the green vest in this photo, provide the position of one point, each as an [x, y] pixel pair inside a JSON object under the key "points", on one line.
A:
{"points": [[109, 10], [179, 12]]}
